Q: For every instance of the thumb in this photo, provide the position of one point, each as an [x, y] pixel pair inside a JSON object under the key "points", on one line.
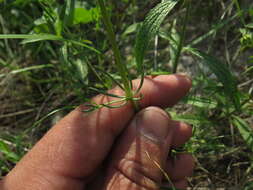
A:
{"points": [[141, 152]]}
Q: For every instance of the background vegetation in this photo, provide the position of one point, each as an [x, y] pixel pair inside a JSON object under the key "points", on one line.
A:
{"points": [[62, 57]]}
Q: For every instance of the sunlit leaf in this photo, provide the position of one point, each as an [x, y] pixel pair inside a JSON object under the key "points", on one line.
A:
{"points": [[149, 29], [85, 16], [245, 130]]}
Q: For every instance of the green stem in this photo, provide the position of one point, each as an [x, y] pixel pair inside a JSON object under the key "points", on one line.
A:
{"points": [[118, 60], [182, 39], [236, 2]]}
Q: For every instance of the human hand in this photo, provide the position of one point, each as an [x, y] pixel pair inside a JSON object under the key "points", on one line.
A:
{"points": [[111, 148]]}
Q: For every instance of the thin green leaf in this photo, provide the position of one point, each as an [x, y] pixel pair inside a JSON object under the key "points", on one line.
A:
{"points": [[37, 123], [149, 29], [84, 45], [201, 102], [193, 119], [26, 69], [222, 73], [174, 39], [5, 149], [71, 12], [110, 77], [159, 73], [245, 131], [31, 37], [212, 31]]}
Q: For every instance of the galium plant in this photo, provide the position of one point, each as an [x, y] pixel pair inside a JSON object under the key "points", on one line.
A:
{"points": [[220, 102]]}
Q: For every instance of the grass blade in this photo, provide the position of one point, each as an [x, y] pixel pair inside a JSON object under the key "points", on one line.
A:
{"points": [[31, 37], [245, 131], [223, 74], [26, 69], [212, 31]]}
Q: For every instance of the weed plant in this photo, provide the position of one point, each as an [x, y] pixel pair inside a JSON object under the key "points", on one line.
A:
{"points": [[55, 55]]}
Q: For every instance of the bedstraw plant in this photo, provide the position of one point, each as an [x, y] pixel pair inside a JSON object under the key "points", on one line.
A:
{"points": [[56, 55]]}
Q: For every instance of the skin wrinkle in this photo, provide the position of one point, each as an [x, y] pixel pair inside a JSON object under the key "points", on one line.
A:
{"points": [[120, 181], [144, 182], [135, 172], [133, 163], [137, 153]]}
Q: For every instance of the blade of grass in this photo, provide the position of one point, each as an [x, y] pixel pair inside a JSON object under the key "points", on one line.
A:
{"points": [[26, 69], [212, 31], [223, 74], [30, 38], [110, 77], [240, 12]]}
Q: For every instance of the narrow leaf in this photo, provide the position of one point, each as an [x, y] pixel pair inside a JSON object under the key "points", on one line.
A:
{"points": [[245, 130], [222, 73], [149, 29], [212, 31], [30, 37], [13, 72]]}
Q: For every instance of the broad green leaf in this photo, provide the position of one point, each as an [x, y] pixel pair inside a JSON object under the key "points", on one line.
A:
{"points": [[245, 130], [249, 25], [201, 102], [222, 73], [85, 16], [81, 69], [131, 29], [193, 119], [5, 149], [149, 29]]}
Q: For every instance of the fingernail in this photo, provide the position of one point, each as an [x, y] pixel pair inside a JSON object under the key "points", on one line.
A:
{"points": [[153, 123]]}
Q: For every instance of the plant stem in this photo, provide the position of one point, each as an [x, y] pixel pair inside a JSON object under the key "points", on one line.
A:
{"points": [[182, 39], [236, 2], [118, 60]]}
